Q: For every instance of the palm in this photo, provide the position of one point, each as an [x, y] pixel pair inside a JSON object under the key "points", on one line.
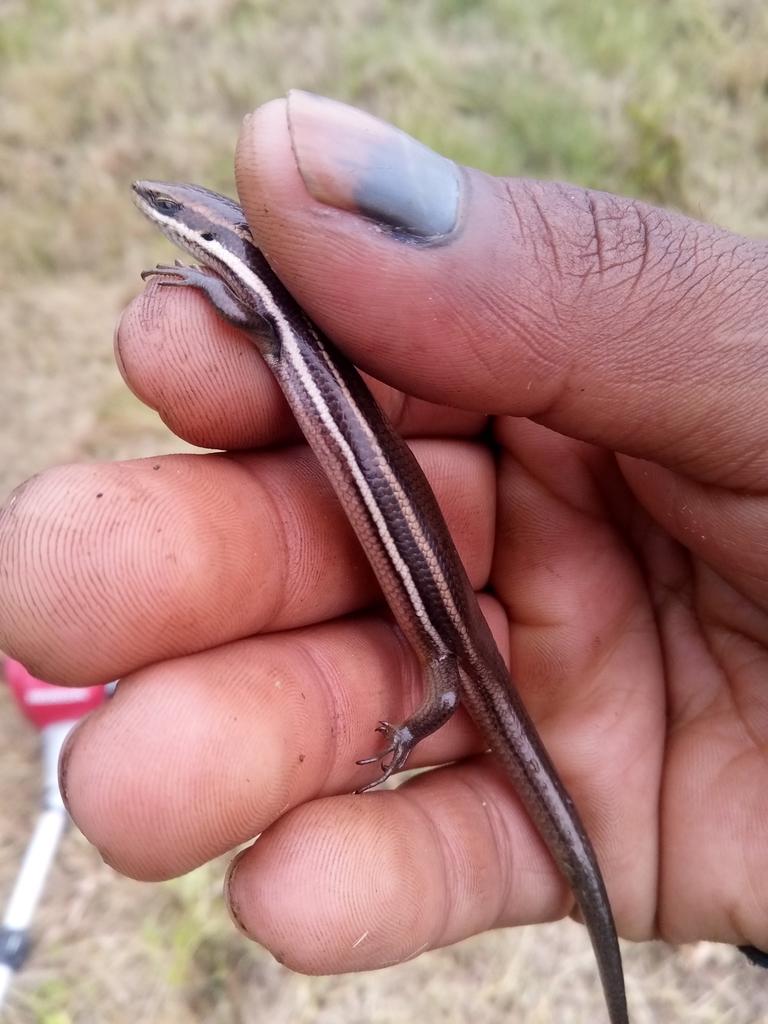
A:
{"points": [[643, 666]]}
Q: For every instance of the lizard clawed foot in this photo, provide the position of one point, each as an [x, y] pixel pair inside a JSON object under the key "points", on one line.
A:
{"points": [[177, 274], [401, 743]]}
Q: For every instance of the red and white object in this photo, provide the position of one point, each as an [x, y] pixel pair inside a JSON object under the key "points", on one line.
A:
{"points": [[53, 710], [45, 704]]}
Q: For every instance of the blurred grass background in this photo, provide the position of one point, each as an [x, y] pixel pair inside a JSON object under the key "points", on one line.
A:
{"points": [[666, 100]]}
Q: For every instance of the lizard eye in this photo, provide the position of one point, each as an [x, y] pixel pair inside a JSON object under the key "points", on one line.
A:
{"points": [[167, 206]]}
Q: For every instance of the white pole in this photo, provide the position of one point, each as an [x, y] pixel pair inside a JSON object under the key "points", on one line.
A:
{"points": [[14, 931]]}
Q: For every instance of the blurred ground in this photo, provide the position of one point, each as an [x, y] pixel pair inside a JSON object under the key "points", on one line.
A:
{"points": [[663, 99]]}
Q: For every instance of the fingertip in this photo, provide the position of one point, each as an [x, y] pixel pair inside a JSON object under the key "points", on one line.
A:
{"points": [[333, 884], [397, 309], [349, 160], [205, 379], [264, 160]]}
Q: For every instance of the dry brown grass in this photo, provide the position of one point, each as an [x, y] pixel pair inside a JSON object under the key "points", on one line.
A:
{"points": [[666, 99]]}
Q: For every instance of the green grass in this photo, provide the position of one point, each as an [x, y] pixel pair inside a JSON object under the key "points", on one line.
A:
{"points": [[640, 97]]}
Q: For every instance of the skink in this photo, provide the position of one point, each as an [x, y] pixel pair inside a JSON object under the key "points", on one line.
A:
{"points": [[392, 508]]}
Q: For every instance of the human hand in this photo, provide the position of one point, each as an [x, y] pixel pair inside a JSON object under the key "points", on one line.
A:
{"points": [[229, 593]]}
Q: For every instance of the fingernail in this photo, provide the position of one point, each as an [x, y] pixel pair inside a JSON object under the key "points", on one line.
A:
{"points": [[64, 756], [116, 347], [230, 902], [353, 161]]}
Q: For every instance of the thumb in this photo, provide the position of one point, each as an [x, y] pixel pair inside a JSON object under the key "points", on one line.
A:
{"points": [[603, 318]]}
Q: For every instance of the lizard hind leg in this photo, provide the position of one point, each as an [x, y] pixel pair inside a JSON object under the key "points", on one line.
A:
{"points": [[441, 699]]}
